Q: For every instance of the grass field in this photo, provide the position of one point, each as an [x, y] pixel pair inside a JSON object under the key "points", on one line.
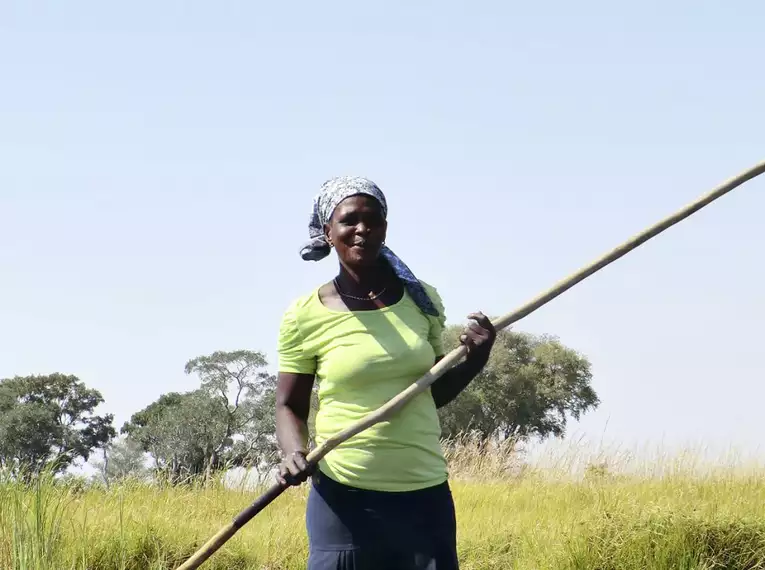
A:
{"points": [[675, 517]]}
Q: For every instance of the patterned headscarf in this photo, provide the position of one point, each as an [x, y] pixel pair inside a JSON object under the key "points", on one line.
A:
{"points": [[333, 192]]}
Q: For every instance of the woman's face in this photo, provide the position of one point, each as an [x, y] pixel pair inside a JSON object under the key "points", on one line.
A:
{"points": [[357, 231]]}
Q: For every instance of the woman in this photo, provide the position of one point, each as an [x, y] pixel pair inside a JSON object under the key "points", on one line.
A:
{"points": [[381, 499]]}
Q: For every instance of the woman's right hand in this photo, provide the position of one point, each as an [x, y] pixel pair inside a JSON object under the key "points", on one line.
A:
{"points": [[294, 469]]}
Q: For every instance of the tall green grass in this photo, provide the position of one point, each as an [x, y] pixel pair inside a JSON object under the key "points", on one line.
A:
{"points": [[511, 514]]}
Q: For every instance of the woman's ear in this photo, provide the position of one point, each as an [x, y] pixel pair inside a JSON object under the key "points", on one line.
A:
{"points": [[328, 234]]}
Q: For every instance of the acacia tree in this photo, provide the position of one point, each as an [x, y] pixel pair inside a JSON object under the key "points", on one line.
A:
{"points": [[242, 391], [48, 422], [530, 387], [226, 421]]}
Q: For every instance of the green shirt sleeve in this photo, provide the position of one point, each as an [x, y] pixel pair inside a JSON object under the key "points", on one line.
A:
{"points": [[437, 324], [292, 356]]}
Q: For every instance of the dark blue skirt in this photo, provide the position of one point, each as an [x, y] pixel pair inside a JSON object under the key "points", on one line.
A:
{"points": [[357, 529]]}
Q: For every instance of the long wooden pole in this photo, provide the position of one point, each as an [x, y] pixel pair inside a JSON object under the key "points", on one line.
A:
{"points": [[400, 400]]}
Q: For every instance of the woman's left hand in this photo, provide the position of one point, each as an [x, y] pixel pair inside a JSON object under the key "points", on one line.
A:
{"points": [[478, 336]]}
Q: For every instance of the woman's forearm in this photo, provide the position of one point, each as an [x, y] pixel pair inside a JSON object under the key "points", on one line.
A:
{"points": [[455, 380], [478, 336], [291, 430]]}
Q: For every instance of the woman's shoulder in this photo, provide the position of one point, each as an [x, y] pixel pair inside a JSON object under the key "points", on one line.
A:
{"points": [[303, 302], [434, 296], [429, 288], [296, 314]]}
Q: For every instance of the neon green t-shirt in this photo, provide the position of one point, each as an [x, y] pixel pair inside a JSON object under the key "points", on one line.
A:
{"points": [[362, 359]]}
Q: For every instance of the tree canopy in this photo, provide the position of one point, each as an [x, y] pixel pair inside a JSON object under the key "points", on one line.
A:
{"points": [[48, 422], [530, 387]]}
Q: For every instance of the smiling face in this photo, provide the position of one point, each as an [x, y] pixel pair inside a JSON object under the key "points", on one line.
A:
{"points": [[357, 231]]}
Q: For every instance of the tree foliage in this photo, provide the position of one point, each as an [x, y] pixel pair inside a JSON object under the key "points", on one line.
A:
{"points": [[48, 422], [122, 459], [228, 420], [530, 387]]}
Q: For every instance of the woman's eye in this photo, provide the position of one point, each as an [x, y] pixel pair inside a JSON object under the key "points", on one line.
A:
{"points": [[354, 219]]}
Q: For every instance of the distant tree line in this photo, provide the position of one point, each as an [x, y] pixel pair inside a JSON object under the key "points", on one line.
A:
{"points": [[530, 388]]}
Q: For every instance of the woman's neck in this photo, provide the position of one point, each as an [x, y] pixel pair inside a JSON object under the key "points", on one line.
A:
{"points": [[365, 279]]}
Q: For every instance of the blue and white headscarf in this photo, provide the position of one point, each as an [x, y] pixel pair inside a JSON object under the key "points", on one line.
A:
{"points": [[333, 192]]}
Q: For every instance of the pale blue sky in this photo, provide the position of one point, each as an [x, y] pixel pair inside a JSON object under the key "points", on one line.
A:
{"points": [[158, 160]]}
